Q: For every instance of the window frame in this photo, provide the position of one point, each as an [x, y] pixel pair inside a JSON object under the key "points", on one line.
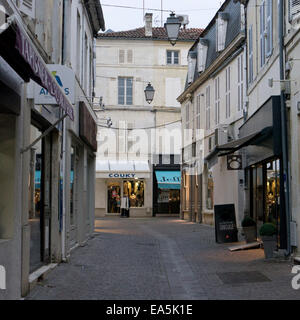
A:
{"points": [[173, 57], [217, 100], [207, 107], [227, 93], [126, 79]]}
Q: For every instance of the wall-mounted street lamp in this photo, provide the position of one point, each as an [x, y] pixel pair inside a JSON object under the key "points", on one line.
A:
{"points": [[149, 93], [172, 27]]}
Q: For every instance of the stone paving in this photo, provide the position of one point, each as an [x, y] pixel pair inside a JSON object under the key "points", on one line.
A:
{"points": [[164, 258]]}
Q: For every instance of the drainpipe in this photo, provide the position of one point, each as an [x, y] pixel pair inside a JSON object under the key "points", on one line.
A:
{"points": [[284, 129]]}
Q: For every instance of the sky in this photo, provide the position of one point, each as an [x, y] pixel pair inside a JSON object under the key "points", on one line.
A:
{"points": [[117, 19]]}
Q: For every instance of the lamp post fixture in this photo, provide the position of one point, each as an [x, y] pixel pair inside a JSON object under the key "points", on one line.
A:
{"points": [[172, 27], [149, 93]]}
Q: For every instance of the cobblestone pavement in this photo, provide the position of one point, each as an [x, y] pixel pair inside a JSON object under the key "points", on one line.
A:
{"points": [[164, 258]]}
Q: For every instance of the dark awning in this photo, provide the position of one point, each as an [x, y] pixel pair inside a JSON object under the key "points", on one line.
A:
{"points": [[233, 146], [20, 53]]}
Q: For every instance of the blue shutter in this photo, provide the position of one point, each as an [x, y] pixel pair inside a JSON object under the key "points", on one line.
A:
{"points": [[121, 91]]}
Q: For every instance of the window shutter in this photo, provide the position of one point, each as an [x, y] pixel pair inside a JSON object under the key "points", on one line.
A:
{"points": [[221, 31], [202, 54], [191, 68], [262, 34], [27, 7], [129, 56], [121, 56], [250, 54], [294, 7], [269, 27]]}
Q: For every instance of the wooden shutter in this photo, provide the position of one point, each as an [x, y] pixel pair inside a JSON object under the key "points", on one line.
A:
{"points": [[121, 56], [129, 56]]}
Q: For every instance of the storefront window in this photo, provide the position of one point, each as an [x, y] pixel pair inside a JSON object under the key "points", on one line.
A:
{"points": [[72, 186], [273, 192], [210, 192], [135, 191]]}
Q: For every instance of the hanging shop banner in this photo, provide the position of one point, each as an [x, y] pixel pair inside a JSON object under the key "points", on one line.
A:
{"points": [[39, 71], [65, 78], [225, 223]]}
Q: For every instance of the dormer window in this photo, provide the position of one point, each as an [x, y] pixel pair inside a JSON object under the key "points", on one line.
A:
{"points": [[202, 54], [191, 65], [221, 31]]}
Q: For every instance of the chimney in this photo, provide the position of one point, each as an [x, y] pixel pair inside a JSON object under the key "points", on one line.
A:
{"points": [[148, 24]]}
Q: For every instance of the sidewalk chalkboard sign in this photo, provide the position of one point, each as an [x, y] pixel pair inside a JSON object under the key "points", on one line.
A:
{"points": [[225, 223]]}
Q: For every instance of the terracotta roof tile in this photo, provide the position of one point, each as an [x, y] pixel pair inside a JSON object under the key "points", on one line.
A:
{"points": [[157, 34]]}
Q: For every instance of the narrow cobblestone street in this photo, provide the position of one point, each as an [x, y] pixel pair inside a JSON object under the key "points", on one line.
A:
{"points": [[163, 258]]}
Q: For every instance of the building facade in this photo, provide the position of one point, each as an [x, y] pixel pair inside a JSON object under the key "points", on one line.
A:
{"points": [[139, 154], [47, 136], [212, 107]]}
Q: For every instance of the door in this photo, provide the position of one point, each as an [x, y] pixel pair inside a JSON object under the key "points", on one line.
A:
{"points": [[113, 198], [74, 158]]}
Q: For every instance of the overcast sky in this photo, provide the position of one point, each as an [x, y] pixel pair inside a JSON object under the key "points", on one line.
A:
{"points": [[200, 12]]}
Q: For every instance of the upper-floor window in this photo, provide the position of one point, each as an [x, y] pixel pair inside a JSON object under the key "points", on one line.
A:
{"points": [[266, 30], [217, 100], [221, 31], [250, 48], [240, 82], [207, 107], [172, 57], [227, 92], [187, 116], [202, 54], [78, 45], [125, 56], [125, 90]]}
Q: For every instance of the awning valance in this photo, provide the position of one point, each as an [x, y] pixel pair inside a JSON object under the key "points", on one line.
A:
{"points": [[168, 179], [20, 53]]}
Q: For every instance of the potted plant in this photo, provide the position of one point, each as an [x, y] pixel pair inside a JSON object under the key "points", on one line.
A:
{"points": [[268, 233], [249, 229]]}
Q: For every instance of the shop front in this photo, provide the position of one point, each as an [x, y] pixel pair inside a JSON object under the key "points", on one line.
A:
{"points": [[167, 191], [260, 148], [116, 180]]}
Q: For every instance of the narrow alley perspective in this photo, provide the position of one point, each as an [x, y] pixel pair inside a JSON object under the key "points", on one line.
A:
{"points": [[164, 259]]}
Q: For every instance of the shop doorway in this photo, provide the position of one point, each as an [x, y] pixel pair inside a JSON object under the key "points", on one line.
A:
{"points": [[114, 198], [39, 200], [168, 201], [265, 193]]}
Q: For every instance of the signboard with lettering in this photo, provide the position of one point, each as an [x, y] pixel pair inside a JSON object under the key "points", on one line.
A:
{"points": [[225, 223], [123, 175], [65, 78]]}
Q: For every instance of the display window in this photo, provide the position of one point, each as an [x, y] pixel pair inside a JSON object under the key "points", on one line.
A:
{"points": [[135, 190]]}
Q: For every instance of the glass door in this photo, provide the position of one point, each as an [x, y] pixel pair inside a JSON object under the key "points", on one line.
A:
{"points": [[113, 198]]}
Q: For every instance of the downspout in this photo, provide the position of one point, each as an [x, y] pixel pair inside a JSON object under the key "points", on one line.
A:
{"points": [[284, 129]]}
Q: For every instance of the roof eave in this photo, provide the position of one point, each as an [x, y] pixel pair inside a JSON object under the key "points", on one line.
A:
{"points": [[96, 16]]}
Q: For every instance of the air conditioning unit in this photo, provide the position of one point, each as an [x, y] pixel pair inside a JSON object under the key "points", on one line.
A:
{"points": [[221, 135], [183, 19]]}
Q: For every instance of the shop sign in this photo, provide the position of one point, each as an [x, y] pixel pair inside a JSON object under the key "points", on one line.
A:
{"points": [[122, 175], [41, 73], [234, 162], [65, 78], [225, 223]]}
